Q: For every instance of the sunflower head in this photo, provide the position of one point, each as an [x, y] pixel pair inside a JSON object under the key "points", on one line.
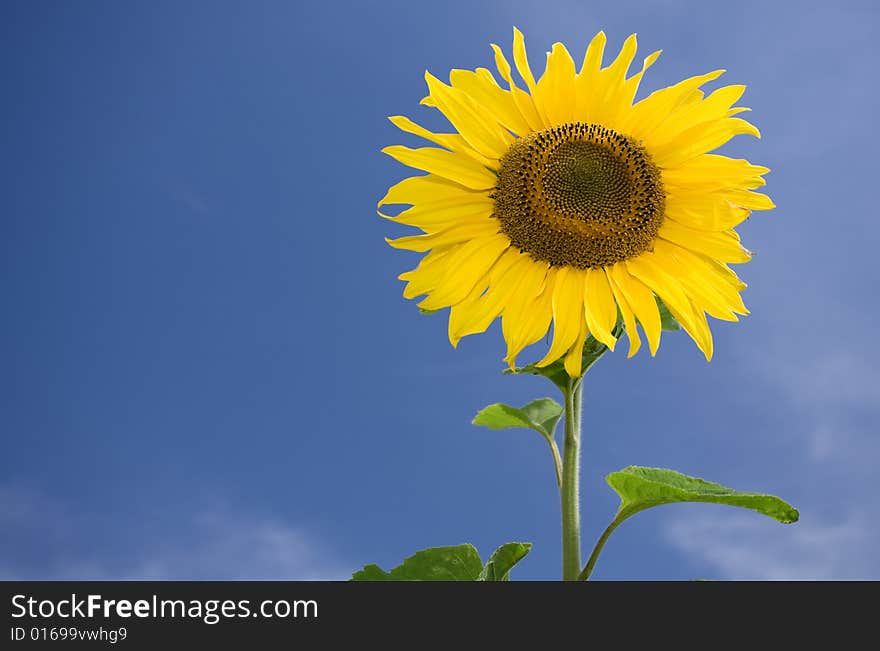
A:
{"points": [[561, 201]]}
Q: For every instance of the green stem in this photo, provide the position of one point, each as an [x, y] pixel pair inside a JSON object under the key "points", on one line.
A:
{"points": [[569, 498], [557, 461], [588, 569]]}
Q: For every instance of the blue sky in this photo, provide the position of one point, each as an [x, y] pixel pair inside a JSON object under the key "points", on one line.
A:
{"points": [[208, 367]]}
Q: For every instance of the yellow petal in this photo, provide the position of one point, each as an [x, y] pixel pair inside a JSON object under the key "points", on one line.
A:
{"points": [[648, 115], [522, 66], [700, 139], [477, 312], [524, 103], [750, 200], [427, 275], [626, 312], [451, 141], [481, 87], [452, 235], [599, 307], [715, 107], [522, 60], [416, 189], [640, 299], [480, 131], [723, 273], [526, 317], [592, 58], [699, 331], [555, 90], [434, 215], [575, 355], [620, 98], [706, 212], [611, 83], [718, 291], [646, 269], [713, 172], [466, 267], [676, 262], [589, 91], [723, 245], [568, 311], [619, 68], [450, 165]]}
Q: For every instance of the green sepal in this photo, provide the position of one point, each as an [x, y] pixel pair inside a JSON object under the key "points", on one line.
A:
{"points": [[425, 311], [667, 321], [556, 373]]}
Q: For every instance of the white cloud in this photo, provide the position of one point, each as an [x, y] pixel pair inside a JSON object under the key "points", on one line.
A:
{"points": [[236, 546], [831, 398], [744, 546], [45, 541], [836, 377]]}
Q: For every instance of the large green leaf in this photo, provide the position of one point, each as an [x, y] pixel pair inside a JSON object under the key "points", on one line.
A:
{"points": [[505, 557], [541, 415], [371, 573], [641, 488], [455, 563]]}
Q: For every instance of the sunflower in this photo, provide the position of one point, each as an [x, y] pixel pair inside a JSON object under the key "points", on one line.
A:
{"points": [[566, 202]]}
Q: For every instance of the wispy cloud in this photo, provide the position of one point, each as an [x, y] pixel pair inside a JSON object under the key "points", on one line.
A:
{"points": [[744, 546], [213, 544], [831, 401]]}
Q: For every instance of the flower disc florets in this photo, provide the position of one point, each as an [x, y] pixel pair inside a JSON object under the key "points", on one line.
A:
{"points": [[579, 195]]}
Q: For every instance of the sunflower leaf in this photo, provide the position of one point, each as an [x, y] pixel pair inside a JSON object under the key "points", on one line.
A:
{"points": [[454, 563], [546, 412], [641, 488], [541, 415], [371, 573], [498, 566], [667, 321]]}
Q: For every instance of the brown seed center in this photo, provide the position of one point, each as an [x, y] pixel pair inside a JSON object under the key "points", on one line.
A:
{"points": [[579, 195]]}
